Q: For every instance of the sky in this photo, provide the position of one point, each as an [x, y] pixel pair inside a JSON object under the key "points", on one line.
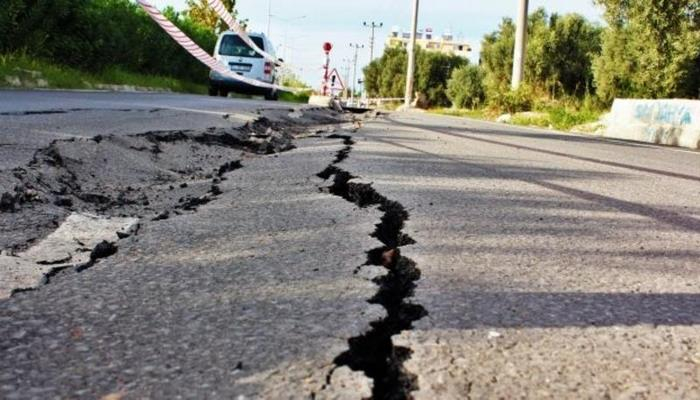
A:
{"points": [[300, 27]]}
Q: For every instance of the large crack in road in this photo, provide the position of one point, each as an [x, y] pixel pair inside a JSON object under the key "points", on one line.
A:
{"points": [[146, 175], [149, 176], [374, 352]]}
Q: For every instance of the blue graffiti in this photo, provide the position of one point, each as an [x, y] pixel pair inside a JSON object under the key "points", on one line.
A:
{"points": [[644, 112], [687, 119], [663, 113]]}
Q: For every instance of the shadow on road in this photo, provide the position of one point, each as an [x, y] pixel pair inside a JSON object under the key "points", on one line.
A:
{"points": [[532, 176], [561, 310], [462, 132]]}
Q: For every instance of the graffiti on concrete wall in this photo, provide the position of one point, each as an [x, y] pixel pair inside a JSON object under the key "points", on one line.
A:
{"points": [[664, 121], [664, 113], [674, 122]]}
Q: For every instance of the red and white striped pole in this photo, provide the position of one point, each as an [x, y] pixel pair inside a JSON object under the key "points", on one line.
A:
{"points": [[327, 47]]}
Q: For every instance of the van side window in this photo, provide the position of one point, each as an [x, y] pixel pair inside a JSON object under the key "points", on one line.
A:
{"points": [[234, 46]]}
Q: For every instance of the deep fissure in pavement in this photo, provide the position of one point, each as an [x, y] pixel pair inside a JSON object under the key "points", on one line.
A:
{"points": [[374, 353], [344, 153], [149, 175]]}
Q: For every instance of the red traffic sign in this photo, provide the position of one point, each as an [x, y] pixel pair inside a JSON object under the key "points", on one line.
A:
{"points": [[327, 47]]}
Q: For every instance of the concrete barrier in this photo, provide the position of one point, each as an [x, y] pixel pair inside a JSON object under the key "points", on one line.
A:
{"points": [[667, 122]]}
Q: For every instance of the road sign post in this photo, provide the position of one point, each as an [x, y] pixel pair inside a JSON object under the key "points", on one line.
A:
{"points": [[327, 47]]}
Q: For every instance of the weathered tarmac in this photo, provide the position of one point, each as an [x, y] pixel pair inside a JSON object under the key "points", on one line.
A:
{"points": [[417, 257], [252, 292], [553, 265], [148, 174]]}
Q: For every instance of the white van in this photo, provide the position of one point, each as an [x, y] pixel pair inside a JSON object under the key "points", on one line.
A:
{"points": [[235, 54]]}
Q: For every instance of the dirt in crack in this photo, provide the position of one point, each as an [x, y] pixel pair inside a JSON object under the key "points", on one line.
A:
{"points": [[374, 353]]}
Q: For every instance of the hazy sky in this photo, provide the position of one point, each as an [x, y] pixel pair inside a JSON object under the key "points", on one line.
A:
{"points": [[299, 40]]}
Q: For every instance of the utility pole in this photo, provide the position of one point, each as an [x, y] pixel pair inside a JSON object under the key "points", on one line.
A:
{"points": [[520, 46], [410, 74], [269, 17], [357, 48], [346, 75], [372, 27]]}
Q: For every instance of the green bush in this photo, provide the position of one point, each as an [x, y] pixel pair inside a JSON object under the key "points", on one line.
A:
{"points": [[563, 118], [298, 97], [33, 72], [93, 35], [513, 101], [466, 87]]}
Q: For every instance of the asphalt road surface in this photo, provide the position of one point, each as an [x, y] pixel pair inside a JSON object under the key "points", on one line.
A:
{"points": [[422, 256], [30, 120]]}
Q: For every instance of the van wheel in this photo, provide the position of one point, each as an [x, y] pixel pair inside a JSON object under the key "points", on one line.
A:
{"points": [[223, 92], [272, 95]]}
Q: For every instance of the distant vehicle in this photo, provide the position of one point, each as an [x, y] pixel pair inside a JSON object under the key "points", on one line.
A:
{"points": [[234, 53]]}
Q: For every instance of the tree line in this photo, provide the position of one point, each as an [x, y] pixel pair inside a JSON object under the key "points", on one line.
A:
{"points": [[648, 49], [92, 35]]}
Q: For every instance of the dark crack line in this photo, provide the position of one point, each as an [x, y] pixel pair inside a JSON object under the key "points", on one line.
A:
{"points": [[374, 353], [344, 153], [63, 111]]}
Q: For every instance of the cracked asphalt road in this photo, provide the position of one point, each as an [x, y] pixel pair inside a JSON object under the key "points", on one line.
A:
{"points": [[553, 265], [253, 294], [544, 265], [30, 120]]}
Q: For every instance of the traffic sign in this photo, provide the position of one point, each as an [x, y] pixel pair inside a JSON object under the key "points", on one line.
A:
{"points": [[327, 47], [336, 80]]}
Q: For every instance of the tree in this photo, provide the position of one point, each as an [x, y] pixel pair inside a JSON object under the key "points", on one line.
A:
{"points": [[432, 73], [202, 14], [497, 57], [466, 87], [559, 55], [651, 50], [386, 76]]}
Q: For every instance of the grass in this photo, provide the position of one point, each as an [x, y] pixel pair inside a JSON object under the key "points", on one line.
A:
{"points": [[390, 105], [299, 97], [20, 71], [562, 117], [478, 113]]}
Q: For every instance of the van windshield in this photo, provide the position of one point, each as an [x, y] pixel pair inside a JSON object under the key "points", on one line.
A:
{"points": [[234, 46]]}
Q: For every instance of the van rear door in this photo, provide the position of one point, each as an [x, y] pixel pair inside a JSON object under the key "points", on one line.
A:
{"points": [[241, 58]]}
